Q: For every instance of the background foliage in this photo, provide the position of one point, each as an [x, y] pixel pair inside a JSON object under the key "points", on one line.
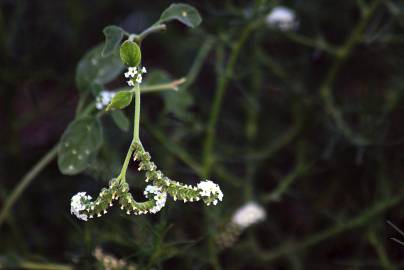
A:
{"points": [[309, 124]]}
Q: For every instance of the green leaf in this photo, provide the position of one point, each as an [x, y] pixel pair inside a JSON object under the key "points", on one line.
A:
{"points": [[130, 54], [121, 120], [157, 76], [94, 70], [121, 100], [184, 13], [113, 36], [178, 103], [175, 102], [79, 145]]}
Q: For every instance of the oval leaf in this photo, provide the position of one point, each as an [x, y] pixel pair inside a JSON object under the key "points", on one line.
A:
{"points": [[130, 54], [184, 13], [79, 145], [94, 69], [121, 100], [113, 36], [121, 120]]}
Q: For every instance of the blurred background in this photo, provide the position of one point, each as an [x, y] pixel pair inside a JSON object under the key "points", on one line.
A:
{"points": [[296, 112]]}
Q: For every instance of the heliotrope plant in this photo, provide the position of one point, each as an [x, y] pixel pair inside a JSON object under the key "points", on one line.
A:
{"points": [[82, 139]]}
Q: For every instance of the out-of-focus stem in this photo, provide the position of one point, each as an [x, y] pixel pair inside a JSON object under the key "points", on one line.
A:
{"points": [[354, 223], [326, 87], [26, 180]]}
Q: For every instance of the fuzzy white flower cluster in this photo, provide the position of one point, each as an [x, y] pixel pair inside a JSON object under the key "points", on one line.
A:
{"points": [[135, 72], [208, 188], [77, 205], [103, 99], [248, 214], [282, 18], [159, 196]]}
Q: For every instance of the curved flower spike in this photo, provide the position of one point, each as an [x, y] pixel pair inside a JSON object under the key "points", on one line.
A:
{"points": [[206, 190]]}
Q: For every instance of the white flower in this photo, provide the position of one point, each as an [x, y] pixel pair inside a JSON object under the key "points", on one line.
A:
{"points": [[159, 196], [282, 18], [135, 71], [139, 78], [248, 214], [132, 71], [77, 205], [209, 189], [103, 99]]}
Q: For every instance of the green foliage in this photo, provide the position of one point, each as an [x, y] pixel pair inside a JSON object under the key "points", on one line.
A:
{"points": [[121, 120], [113, 36], [79, 145], [121, 100], [184, 13], [95, 70], [130, 54], [306, 123], [175, 102]]}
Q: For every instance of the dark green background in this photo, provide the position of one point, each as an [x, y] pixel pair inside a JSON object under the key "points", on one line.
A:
{"points": [[342, 158]]}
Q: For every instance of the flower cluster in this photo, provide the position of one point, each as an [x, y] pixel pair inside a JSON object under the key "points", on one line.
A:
{"points": [[210, 192], [78, 204], [84, 208], [135, 72], [282, 18], [103, 99], [206, 190], [158, 195]]}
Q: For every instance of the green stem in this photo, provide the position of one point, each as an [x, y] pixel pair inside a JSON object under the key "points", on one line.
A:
{"points": [[326, 88], [26, 180], [218, 99], [380, 250], [207, 155], [309, 42], [152, 29], [173, 85], [164, 86], [43, 266], [136, 138], [137, 115], [34, 171], [356, 222]]}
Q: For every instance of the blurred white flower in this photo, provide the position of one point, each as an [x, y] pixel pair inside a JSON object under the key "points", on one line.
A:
{"points": [[103, 99], [248, 214], [77, 205], [282, 18]]}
